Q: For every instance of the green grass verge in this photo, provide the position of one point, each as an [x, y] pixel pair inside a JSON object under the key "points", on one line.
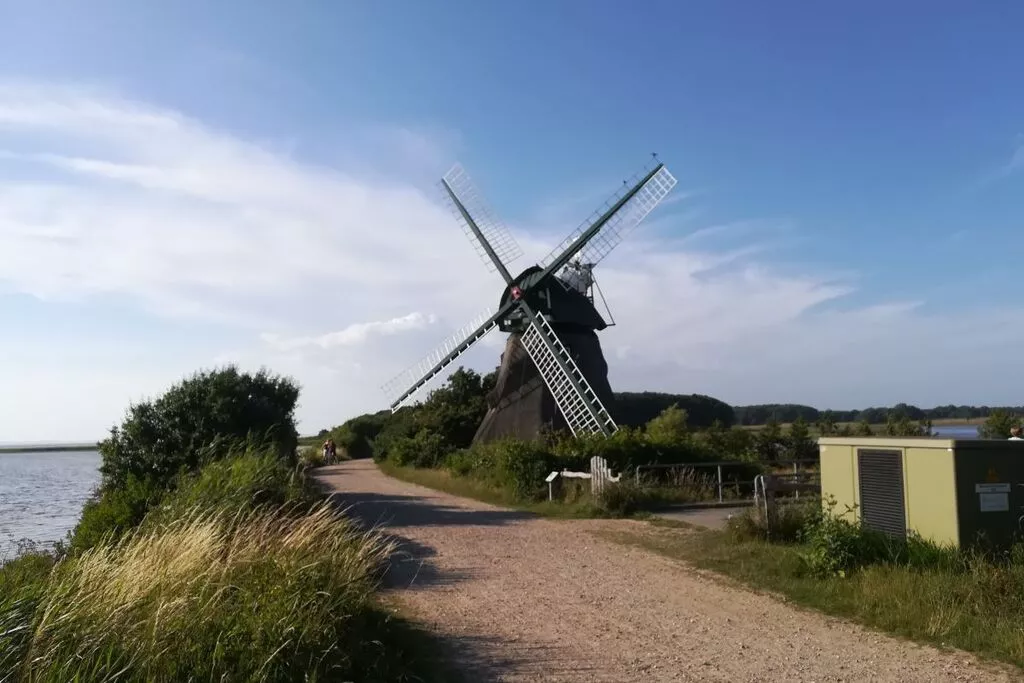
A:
{"points": [[466, 487], [975, 608]]}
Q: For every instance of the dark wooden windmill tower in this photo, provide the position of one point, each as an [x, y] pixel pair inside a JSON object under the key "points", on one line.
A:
{"points": [[553, 373]]}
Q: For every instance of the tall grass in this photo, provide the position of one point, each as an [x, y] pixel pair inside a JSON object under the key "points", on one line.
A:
{"points": [[257, 596], [241, 572]]}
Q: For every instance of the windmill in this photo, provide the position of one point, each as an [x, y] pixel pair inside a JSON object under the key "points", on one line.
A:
{"points": [[552, 371]]}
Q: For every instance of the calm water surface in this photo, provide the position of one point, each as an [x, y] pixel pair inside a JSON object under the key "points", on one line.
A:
{"points": [[956, 431], [41, 494]]}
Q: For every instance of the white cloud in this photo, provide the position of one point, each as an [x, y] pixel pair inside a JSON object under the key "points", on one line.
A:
{"points": [[344, 275], [356, 333]]}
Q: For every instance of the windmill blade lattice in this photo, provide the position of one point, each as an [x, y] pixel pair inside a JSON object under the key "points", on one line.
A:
{"points": [[624, 221], [404, 385], [491, 227], [573, 395]]}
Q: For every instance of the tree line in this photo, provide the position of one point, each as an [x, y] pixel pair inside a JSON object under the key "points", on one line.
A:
{"points": [[790, 412]]}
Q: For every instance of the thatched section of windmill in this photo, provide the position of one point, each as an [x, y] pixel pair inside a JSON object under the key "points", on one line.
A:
{"points": [[521, 406]]}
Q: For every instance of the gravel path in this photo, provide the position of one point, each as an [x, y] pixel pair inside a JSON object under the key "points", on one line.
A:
{"points": [[521, 598]]}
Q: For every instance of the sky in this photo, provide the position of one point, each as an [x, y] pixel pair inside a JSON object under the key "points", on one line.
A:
{"points": [[186, 185]]}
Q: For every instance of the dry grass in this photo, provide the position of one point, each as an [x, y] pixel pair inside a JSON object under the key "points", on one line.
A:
{"points": [[258, 596]]}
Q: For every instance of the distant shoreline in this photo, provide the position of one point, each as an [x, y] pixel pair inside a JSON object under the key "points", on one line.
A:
{"points": [[49, 448]]}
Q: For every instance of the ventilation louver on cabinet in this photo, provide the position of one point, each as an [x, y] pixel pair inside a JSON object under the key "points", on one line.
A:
{"points": [[882, 501]]}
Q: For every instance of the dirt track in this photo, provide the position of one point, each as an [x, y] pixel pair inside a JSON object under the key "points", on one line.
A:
{"points": [[527, 599]]}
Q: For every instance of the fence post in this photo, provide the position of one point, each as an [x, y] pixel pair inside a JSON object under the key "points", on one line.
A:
{"points": [[796, 477], [719, 483]]}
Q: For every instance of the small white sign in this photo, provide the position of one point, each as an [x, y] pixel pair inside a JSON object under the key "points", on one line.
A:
{"points": [[991, 488], [551, 477], [994, 502]]}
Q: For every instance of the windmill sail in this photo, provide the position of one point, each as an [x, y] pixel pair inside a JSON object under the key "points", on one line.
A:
{"points": [[484, 229], [621, 223], [404, 385], [573, 395]]}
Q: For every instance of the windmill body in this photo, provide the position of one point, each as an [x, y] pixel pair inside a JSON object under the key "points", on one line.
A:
{"points": [[553, 373], [521, 405]]}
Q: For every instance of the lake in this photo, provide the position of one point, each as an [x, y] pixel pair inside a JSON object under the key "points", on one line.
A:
{"points": [[42, 493], [956, 431]]}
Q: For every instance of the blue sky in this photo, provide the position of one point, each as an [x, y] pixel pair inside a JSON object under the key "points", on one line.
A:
{"points": [[193, 184]]}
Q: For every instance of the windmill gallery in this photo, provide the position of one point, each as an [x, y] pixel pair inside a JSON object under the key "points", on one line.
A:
{"points": [[553, 373]]}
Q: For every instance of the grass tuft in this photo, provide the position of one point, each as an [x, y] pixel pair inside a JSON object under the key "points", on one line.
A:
{"points": [[257, 596]]}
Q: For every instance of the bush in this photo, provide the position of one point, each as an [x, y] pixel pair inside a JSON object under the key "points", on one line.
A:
{"points": [[836, 546], [789, 523], [999, 424], [519, 467], [524, 465], [159, 439], [255, 597], [425, 449], [242, 481], [669, 427], [625, 498], [311, 456], [112, 512]]}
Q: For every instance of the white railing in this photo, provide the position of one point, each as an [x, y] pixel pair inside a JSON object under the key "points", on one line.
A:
{"points": [[600, 475]]}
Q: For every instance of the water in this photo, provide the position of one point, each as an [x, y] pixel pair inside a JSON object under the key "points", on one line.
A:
{"points": [[42, 493], [956, 431]]}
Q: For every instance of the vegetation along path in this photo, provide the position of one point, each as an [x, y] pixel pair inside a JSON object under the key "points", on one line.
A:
{"points": [[521, 598]]}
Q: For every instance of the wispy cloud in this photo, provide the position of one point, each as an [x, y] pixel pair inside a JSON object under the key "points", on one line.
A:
{"points": [[343, 275], [357, 333], [1006, 168]]}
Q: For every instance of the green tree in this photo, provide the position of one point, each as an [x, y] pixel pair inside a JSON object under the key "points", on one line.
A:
{"points": [[900, 424], [864, 428], [454, 411], [181, 429], [998, 424], [768, 441], [826, 424], [670, 427], [799, 441], [717, 438]]}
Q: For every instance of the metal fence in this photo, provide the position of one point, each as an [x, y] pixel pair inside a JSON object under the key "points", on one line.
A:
{"points": [[800, 470]]}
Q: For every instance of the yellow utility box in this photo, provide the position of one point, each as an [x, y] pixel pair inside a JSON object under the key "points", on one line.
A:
{"points": [[953, 492]]}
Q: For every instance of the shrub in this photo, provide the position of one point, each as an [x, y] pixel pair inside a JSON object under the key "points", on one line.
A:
{"points": [[242, 481], [518, 467], [311, 456], [256, 597], [523, 467], [624, 450], [998, 425], [355, 438], [425, 449], [836, 546], [625, 497], [669, 427], [788, 524], [158, 439], [113, 511]]}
